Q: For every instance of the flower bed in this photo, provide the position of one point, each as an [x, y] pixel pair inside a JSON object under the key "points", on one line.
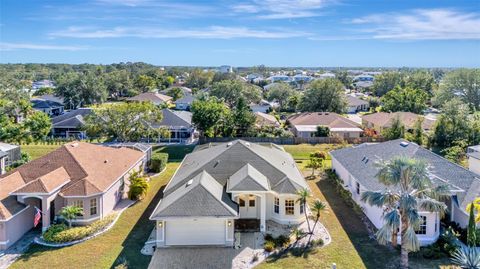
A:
{"points": [[60, 233]]}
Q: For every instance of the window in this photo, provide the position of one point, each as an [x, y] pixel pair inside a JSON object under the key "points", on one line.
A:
{"points": [[358, 188], [276, 205], [93, 207], [251, 201], [241, 202], [289, 207], [422, 229], [301, 208], [78, 203]]}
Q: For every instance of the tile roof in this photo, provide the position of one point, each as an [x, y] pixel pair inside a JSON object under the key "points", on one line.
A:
{"points": [[360, 162], [80, 168], [152, 97], [384, 119]]}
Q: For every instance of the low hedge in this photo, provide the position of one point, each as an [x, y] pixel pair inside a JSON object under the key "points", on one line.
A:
{"points": [[158, 162], [60, 233]]}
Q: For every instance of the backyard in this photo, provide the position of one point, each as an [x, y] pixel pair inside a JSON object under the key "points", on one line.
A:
{"points": [[351, 247]]}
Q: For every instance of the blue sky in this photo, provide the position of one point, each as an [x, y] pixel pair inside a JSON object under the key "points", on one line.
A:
{"points": [[418, 33]]}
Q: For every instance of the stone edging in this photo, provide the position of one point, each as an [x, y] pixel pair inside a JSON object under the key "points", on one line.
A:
{"points": [[40, 241]]}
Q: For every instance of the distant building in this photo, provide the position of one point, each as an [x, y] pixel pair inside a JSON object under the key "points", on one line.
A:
{"points": [[36, 85], [473, 154], [382, 120], [305, 124], [51, 108], [263, 120], [179, 123], [225, 69], [364, 77], [263, 106], [302, 78], [279, 78], [326, 75], [184, 103], [355, 104], [185, 90], [70, 124]]}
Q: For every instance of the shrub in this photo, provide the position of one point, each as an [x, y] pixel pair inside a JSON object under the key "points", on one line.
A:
{"points": [[268, 237], [282, 241], [269, 246], [138, 186], [317, 243], [60, 233], [158, 162], [433, 252]]}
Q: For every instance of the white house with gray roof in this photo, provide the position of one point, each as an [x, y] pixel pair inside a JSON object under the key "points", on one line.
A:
{"points": [[356, 167], [228, 187]]}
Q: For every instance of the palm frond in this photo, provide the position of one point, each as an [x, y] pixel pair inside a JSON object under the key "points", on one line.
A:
{"points": [[431, 205], [407, 201], [383, 235], [392, 219], [411, 239], [467, 257], [378, 198]]}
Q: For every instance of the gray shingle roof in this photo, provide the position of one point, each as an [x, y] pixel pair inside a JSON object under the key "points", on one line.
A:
{"points": [[187, 99], [72, 119], [174, 118], [201, 196], [247, 179], [360, 162]]}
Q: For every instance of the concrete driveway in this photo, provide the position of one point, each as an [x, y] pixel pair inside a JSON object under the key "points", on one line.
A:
{"points": [[206, 257]]}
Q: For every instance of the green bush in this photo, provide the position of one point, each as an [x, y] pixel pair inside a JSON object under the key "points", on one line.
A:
{"points": [[269, 246], [317, 243], [433, 252], [60, 233], [268, 237], [158, 162], [282, 241], [138, 186]]}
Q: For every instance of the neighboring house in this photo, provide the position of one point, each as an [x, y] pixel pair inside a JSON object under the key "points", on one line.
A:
{"points": [[355, 104], [179, 123], [43, 84], [3, 158], [11, 153], [225, 69], [302, 78], [51, 108], [263, 106], [155, 98], [305, 124], [473, 154], [279, 78], [229, 187], [326, 75], [381, 120], [89, 176], [51, 97], [184, 103], [70, 124], [364, 77], [363, 84], [185, 90], [263, 119], [356, 166]]}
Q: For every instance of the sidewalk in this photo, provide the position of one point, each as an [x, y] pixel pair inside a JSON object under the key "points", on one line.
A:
{"points": [[9, 256]]}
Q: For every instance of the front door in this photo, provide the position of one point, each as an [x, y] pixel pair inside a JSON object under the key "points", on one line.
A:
{"points": [[248, 206]]}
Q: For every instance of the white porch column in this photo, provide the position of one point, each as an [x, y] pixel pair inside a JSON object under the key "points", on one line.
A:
{"points": [[263, 210], [45, 208]]}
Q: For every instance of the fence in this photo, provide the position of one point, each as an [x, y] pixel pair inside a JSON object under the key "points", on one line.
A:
{"points": [[292, 140]]}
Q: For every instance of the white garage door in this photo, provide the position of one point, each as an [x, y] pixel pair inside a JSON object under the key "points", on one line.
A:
{"points": [[195, 232]]}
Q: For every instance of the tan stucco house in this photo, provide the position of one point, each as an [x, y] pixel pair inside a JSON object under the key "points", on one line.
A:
{"points": [[90, 176], [305, 124], [224, 188]]}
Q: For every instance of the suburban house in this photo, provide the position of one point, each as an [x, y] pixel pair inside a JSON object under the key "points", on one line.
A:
{"points": [[263, 119], [70, 124], [473, 154], [39, 84], [355, 104], [179, 124], [155, 98], [221, 189], [305, 124], [184, 103], [263, 106], [49, 107], [185, 90], [357, 168], [381, 120], [92, 177]]}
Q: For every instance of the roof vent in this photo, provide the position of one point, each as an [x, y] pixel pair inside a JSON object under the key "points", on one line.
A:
{"points": [[247, 144], [189, 182], [74, 145], [404, 144], [229, 144], [106, 161]]}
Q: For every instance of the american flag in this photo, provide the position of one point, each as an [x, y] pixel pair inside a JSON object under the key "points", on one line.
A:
{"points": [[38, 216]]}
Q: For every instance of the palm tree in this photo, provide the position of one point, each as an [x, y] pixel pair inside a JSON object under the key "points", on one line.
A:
{"points": [[410, 191], [304, 194], [317, 208], [70, 213], [467, 257]]}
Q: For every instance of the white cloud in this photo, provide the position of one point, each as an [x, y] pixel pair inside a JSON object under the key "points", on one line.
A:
{"points": [[4, 46], [213, 32], [424, 24], [282, 9]]}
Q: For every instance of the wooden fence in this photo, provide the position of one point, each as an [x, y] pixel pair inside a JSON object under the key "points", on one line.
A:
{"points": [[292, 140]]}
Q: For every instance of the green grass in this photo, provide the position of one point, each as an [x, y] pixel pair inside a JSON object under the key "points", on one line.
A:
{"points": [[36, 151], [351, 245], [123, 241], [302, 151], [175, 152]]}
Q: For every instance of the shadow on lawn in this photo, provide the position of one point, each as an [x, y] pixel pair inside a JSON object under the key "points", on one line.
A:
{"points": [[137, 237]]}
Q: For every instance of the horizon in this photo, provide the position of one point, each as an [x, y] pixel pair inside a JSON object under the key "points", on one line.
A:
{"points": [[288, 34]]}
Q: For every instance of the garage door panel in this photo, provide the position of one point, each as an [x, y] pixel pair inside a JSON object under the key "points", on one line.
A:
{"points": [[195, 232]]}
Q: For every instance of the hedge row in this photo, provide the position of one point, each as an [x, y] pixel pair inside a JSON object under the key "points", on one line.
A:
{"points": [[158, 162], [60, 233]]}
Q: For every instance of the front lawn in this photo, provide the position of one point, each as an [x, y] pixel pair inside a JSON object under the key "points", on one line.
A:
{"points": [[123, 242], [351, 246]]}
